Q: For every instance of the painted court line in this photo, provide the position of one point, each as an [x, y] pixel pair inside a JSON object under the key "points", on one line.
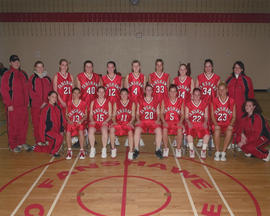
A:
{"points": [[184, 181], [31, 188], [62, 187], [215, 184], [124, 192]]}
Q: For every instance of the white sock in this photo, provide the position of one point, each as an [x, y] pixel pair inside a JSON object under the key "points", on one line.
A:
{"points": [[191, 146], [69, 149], [204, 146]]}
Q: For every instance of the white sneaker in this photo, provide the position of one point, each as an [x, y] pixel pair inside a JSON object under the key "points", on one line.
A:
{"points": [[223, 156], [178, 153], [217, 156], [165, 152], [174, 143], [126, 142], [141, 142], [117, 141], [248, 155], [191, 154], [92, 152], [104, 153], [82, 154], [200, 143], [203, 154], [113, 153], [130, 155], [267, 158], [74, 140], [69, 155]]}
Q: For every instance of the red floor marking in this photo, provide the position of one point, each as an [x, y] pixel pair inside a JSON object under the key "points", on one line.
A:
{"points": [[165, 204], [124, 191]]}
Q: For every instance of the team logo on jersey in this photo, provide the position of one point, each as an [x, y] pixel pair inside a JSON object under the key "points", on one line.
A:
{"points": [[63, 83], [135, 83], [114, 85], [179, 87], [157, 82], [146, 108], [208, 84], [100, 110], [196, 111], [223, 109], [124, 110], [89, 83], [172, 109], [75, 111]]}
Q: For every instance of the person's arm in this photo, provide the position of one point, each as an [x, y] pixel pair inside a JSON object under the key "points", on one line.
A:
{"points": [[197, 83], [144, 82], [91, 113], [114, 113], [126, 82], [192, 85], [168, 82], [158, 114], [72, 80], [78, 83], [56, 89], [233, 117], [84, 117], [182, 116], [213, 116], [162, 113], [187, 117], [149, 79], [6, 90], [138, 114], [109, 114], [122, 82], [67, 118], [250, 89], [133, 114], [205, 117]]}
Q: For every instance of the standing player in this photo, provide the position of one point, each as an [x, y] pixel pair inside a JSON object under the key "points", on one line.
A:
{"points": [[160, 81], [196, 118], [100, 117], [51, 127], [135, 82], [76, 114], [223, 113], [14, 90], [172, 116], [39, 86], [208, 82], [148, 121], [63, 84], [184, 82], [123, 118]]}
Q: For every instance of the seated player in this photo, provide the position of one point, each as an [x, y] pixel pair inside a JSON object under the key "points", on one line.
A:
{"points": [[51, 127], [123, 118], [76, 114], [172, 116], [100, 116], [148, 121], [196, 118], [254, 133], [223, 114]]}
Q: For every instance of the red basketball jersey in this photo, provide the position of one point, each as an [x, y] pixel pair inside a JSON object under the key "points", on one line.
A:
{"points": [[64, 87], [223, 110], [148, 109], [135, 87], [112, 87], [100, 111], [123, 112], [88, 86], [208, 85], [183, 87], [159, 84], [76, 113], [172, 110], [196, 113]]}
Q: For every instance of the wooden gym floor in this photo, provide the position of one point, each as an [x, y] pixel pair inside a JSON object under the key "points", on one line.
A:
{"points": [[38, 184]]}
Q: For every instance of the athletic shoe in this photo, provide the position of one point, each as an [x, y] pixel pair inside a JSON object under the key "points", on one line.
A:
{"points": [[76, 145], [126, 143], [130, 156], [104, 153], [238, 149], [174, 144], [17, 149], [69, 155], [141, 142], [165, 152], [74, 140], [223, 156], [113, 153], [159, 154], [26, 146], [267, 158], [231, 146], [92, 152], [117, 141], [248, 155], [82, 154], [200, 143], [191, 154], [217, 156], [136, 154], [178, 153], [203, 154]]}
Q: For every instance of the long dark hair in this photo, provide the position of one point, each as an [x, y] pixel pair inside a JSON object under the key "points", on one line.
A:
{"points": [[209, 61], [113, 63], [86, 62], [257, 109], [162, 62], [241, 65], [187, 67]]}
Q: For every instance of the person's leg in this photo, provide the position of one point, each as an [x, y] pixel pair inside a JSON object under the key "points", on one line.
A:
{"points": [[206, 138], [12, 130], [112, 137], [55, 142], [216, 137], [158, 139], [35, 115], [91, 136], [81, 138], [179, 138], [68, 140], [227, 139], [22, 125], [191, 146], [165, 137], [104, 138], [137, 137]]}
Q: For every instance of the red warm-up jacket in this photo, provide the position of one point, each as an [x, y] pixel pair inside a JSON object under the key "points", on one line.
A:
{"points": [[14, 88], [51, 119], [39, 87]]}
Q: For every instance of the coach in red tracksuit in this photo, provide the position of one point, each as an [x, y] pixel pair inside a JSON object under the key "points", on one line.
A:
{"points": [[51, 127], [39, 86], [254, 132], [240, 88], [14, 90]]}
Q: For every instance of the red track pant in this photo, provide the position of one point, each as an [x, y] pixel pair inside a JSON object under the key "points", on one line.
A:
{"points": [[35, 114], [55, 141], [17, 124], [257, 149]]}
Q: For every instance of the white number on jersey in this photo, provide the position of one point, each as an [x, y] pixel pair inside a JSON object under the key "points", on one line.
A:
{"points": [[124, 118], [91, 90], [181, 94], [112, 92], [66, 90], [135, 91], [159, 89], [196, 118], [171, 116], [207, 91], [149, 115], [222, 117], [100, 117]]}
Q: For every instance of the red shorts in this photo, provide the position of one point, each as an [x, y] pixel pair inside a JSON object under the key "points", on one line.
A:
{"points": [[173, 128], [223, 128], [148, 126], [122, 129], [97, 125], [75, 128], [199, 132]]}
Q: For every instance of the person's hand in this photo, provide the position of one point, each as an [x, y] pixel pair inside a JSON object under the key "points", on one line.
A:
{"points": [[10, 108], [43, 105]]}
